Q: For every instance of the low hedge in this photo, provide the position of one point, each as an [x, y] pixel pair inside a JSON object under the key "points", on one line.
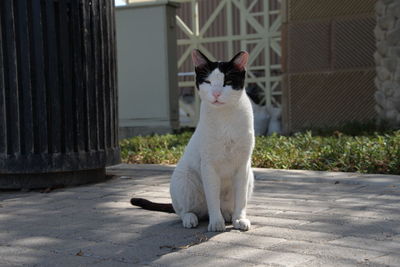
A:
{"points": [[375, 153]]}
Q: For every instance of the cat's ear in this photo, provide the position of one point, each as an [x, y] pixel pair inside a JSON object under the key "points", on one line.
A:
{"points": [[199, 59], [240, 60]]}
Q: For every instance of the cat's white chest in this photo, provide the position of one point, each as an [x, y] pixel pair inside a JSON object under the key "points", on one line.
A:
{"points": [[229, 144]]}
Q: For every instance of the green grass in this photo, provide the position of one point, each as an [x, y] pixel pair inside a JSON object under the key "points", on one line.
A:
{"points": [[370, 153], [157, 149]]}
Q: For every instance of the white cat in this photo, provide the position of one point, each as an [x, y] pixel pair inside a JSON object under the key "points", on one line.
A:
{"points": [[261, 118], [274, 123], [214, 177]]}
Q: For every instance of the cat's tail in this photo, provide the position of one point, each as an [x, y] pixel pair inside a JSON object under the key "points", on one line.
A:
{"points": [[148, 205]]}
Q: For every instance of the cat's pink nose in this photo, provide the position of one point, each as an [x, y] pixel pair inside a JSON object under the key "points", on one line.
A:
{"points": [[216, 94]]}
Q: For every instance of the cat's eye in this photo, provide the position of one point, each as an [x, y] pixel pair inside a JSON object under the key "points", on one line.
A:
{"points": [[207, 82], [228, 82]]}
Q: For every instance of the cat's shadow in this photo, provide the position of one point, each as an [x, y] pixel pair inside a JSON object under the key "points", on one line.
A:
{"points": [[170, 236]]}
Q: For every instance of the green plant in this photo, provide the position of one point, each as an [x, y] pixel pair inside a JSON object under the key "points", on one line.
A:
{"points": [[372, 153]]}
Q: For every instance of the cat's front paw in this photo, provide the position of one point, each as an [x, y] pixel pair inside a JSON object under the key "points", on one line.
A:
{"points": [[242, 224], [216, 224], [189, 220]]}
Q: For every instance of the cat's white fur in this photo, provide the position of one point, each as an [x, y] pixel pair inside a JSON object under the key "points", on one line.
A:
{"points": [[214, 176]]}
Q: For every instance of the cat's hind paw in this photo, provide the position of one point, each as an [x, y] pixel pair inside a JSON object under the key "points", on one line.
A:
{"points": [[227, 216], [189, 220], [242, 224]]}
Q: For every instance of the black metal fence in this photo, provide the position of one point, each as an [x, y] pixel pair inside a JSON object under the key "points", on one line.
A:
{"points": [[58, 93]]}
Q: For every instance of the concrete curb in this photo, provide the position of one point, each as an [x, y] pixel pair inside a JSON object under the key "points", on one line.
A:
{"points": [[327, 177], [289, 175]]}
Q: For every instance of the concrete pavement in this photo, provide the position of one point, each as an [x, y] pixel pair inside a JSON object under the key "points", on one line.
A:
{"points": [[300, 218]]}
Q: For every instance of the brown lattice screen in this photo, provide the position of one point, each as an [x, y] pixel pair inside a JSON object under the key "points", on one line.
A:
{"points": [[329, 66]]}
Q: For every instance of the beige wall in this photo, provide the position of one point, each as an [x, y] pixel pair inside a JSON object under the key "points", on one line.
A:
{"points": [[147, 67]]}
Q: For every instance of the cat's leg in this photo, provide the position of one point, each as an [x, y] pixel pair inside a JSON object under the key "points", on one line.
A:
{"points": [[227, 212], [227, 202], [212, 190], [187, 196], [243, 183]]}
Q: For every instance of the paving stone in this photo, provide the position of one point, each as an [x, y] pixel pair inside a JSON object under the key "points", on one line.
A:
{"points": [[248, 254], [386, 260], [334, 262], [261, 221], [373, 229], [244, 239], [180, 259], [293, 206], [299, 218], [385, 246], [294, 234], [17, 256], [368, 213], [326, 251]]}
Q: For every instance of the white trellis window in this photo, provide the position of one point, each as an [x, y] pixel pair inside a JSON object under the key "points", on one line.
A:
{"points": [[220, 28]]}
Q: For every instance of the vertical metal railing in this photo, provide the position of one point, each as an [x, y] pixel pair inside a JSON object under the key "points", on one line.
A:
{"points": [[58, 100]]}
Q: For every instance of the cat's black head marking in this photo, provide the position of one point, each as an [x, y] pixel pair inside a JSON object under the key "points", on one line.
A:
{"points": [[234, 70]]}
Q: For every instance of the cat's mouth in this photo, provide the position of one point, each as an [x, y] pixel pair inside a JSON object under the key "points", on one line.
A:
{"points": [[216, 102]]}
